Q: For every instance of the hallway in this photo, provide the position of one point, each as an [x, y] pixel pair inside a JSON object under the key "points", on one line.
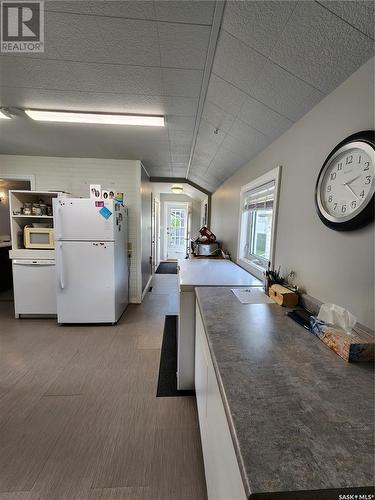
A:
{"points": [[79, 419]]}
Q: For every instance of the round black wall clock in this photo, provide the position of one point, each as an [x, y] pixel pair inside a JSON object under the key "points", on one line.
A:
{"points": [[344, 193]]}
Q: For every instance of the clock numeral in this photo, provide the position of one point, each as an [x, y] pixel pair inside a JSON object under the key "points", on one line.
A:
{"points": [[343, 208], [359, 158], [329, 188], [367, 165], [339, 166], [334, 206], [349, 159], [333, 176], [353, 204], [330, 199], [368, 179], [362, 194]]}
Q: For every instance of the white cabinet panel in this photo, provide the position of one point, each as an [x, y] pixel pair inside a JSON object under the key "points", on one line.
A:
{"points": [[223, 477]]}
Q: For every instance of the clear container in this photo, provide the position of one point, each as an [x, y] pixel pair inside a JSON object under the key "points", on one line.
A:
{"points": [[43, 209], [36, 210], [27, 209]]}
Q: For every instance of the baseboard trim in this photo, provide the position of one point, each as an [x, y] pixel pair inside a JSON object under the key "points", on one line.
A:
{"points": [[146, 287]]}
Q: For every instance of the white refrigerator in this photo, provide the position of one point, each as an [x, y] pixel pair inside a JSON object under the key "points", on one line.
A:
{"points": [[92, 268]]}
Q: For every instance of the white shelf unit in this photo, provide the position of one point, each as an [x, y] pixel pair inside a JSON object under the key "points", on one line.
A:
{"points": [[18, 221]]}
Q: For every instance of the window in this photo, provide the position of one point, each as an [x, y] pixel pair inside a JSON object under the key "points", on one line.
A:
{"points": [[257, 222]]}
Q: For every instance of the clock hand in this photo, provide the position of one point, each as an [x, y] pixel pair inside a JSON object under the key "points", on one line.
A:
{"points": [[347, 185], [349, 182]]}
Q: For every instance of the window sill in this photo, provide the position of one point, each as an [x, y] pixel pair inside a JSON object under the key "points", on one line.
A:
{"points": [[252, 268]]}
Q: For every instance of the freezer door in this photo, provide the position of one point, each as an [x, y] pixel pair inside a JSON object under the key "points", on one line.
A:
{"points": [[85, 282], [81, 220]]}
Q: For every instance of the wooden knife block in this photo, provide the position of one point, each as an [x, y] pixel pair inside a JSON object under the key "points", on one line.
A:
{"points": [[283, 296]]}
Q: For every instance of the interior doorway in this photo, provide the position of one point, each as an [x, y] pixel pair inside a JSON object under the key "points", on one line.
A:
{"points": [[155, 234], [176, 230], [8, 183]]}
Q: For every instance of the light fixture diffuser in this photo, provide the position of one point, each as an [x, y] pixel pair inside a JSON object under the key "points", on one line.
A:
{"points": [[96, 118], [3, 116], [177, 189]]}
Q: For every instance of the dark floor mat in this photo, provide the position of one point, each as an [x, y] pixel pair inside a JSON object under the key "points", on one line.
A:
{"points": [[167, 268], [167, 383]]}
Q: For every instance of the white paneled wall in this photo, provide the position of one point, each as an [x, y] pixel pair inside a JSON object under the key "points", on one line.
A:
{"points": [[74, 175]]}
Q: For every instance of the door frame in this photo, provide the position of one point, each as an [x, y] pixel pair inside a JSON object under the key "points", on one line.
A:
{"points": [[20, 177], [155, 233], [177, 204]]}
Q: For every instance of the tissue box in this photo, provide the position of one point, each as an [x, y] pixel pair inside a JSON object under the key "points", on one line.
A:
{"points": [[355, 347]]}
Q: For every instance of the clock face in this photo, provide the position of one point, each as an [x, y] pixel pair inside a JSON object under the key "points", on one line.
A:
{"points": [[346, 183]]}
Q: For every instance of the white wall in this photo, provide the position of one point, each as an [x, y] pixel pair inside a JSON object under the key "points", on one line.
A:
{"points": [[332, 266], [74, 175]]}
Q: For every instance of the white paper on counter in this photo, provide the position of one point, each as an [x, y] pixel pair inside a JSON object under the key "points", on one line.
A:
{"points": [[252, 295]]}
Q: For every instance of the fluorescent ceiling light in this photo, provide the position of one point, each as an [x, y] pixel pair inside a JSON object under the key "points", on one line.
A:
{"points": [[98, 118], [177, 189], [3, 116]]}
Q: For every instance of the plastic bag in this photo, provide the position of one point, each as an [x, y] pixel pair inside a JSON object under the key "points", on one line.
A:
{"points": [[337, 316]]}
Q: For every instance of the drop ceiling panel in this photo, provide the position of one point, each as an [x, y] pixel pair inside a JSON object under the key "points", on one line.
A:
{"points": [[284, 93], [237, 63], [320, 48], [76, 37], [262, 118], [217, 117], [182, 82], [183, 45], [81, 7], [181, 123], [224, 95], [258, 24], [358, 14], [192, 12], [129, 41], [138, 9]]}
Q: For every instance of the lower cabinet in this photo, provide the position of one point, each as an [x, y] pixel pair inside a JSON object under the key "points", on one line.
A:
{"points": [[223, 477]]}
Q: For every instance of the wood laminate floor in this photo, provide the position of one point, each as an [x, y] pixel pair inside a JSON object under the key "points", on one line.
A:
{"points": [[79, 419]]}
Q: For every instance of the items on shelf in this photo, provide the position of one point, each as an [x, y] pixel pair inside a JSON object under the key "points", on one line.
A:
{"points": [[36, 209], [206, 244]]}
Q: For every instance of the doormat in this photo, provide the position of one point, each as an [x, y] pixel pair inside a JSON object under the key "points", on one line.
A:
{"points": [[167, 268], [167, 383]]}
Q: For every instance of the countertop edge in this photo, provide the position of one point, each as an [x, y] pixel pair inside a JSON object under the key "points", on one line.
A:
{"points": [[227, 410]]}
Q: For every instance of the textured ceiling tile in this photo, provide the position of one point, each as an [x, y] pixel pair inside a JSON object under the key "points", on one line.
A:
{"points": [[180, 158], [182, 82], [183, 123], [129, 41], [183, 45], [194, 12], [217, 117], [180, 136], [201, 159], [258, 24], [320, 48], [181, 106], [263, 118], [206, 133], [224, 95], [237, 63], [79, 7], [206, 146], [136, 80], [138, 9], [75, 36], [285, 93], [358, 14], [248, 135]]}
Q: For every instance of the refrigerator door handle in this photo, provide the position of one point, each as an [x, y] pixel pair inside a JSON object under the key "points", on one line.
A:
{"points": [[59, 222], [61, 268]]}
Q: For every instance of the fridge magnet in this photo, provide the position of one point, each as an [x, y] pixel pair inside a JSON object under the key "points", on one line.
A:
{"points": [[105, 212], [105, 194], [95, 191], [120, 197], [111, 195], [99, 203]]}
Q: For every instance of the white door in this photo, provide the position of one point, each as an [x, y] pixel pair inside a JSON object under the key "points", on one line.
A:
{"points": [[84, 220], [156, 235], [176, 229], [85, 282]]}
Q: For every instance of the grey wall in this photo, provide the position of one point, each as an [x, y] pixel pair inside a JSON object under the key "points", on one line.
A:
{"points": [[332, 266], [195, 216], [146, 195]]}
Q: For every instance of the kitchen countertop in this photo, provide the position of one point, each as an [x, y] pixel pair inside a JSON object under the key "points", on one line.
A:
{"points": [[208, 272], [301, 418]]}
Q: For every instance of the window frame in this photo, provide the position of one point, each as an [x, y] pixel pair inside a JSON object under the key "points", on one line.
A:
{"points": [[272, 175]]}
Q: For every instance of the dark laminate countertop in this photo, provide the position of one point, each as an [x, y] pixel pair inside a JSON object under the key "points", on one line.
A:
{"points": [[301, 418]]}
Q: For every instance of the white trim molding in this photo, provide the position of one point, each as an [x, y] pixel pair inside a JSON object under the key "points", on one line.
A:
{"points": [[272, 175]]}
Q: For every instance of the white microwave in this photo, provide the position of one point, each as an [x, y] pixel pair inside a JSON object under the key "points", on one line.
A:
{"points": [[38, 237]]}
